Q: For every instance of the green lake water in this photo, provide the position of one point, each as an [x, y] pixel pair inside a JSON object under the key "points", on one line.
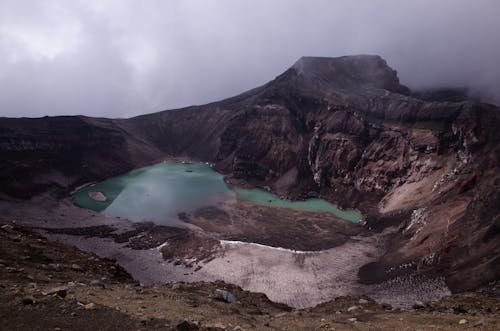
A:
{"points": [[268, 198], [159, 192]]}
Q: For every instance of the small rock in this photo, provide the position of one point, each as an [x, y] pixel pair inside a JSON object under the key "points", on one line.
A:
{"points": [[89, 306], [187, 326], [352, 319], [418, 305], [462, 321], [217, 327], [352, 308], [54, 267], [76, 267], [386, 306], [459, 310], [97, 283], [479, 323], [7, 228], [280, 315], [60, 291], [225, 296], [28, 300], [57, 329], [363, 301], [177, 286]]}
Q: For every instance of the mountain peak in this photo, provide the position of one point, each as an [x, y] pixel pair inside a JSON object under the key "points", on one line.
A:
{"points": [[349, 72], [321, 61]]}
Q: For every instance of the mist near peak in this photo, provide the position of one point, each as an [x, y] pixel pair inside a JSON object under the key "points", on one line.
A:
{"points": [[124, 58]]}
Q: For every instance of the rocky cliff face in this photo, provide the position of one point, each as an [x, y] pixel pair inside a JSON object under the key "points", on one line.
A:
{"points": [[343, 128], [38, 154]]}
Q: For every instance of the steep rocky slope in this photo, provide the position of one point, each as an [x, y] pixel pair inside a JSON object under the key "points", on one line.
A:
{"points": [[342, 128], [38, 154]]}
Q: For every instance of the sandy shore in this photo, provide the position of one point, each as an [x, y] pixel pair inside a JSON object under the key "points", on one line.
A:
{"points": [[297, 278]]}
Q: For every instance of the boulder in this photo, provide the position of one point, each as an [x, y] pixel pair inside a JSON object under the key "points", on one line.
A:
{"points": [[97, 283], [187, 326], [60, 291], [28, 300], [224, 295]]}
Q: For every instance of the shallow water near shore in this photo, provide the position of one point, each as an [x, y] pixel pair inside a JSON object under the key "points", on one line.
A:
{"points": [[160, 192]]}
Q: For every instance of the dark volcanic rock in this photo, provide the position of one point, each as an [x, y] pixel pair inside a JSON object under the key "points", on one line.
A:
{"points": [[443, 94], [60, 291], [39, 153], [187, 326], [342, 128]]}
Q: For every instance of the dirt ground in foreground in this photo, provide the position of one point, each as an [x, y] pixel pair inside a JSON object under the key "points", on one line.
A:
{"points": [[50, 286]]}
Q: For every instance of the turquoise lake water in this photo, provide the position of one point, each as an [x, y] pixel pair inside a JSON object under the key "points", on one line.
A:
{"points": [[159, 192], [268, 198]]}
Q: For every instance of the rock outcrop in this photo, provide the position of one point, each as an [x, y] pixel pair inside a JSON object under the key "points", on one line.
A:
{"points": [[343, 128]]}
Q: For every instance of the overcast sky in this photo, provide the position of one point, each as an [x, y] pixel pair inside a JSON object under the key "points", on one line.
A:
{"points": [[127, 57]]}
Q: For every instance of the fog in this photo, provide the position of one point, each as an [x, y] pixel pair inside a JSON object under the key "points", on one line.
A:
{"points": [[123, 58]]}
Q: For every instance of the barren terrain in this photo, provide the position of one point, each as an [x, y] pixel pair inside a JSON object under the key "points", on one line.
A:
{"points": [[47, 285]]}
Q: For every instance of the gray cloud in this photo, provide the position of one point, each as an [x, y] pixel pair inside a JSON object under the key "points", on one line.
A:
{"points": [[123, 58]]}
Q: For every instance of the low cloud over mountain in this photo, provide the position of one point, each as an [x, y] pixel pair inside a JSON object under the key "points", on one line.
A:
{"points": [[124, 58]]}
